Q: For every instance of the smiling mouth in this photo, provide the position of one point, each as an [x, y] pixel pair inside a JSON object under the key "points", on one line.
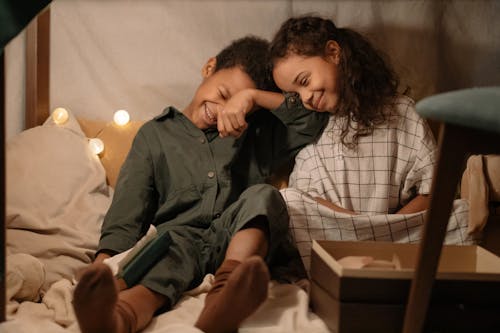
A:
{"points": [[210, 115], [318, 101]]}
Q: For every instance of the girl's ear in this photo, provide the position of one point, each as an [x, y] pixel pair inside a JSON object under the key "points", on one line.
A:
{"points": [[209, 68], [332, 51]]}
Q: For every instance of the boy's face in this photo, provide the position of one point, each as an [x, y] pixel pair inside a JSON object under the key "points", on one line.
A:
{"points": [[314, 78], [213, 93]]}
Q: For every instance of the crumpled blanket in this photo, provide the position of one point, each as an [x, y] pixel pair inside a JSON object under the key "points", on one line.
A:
{"points": [[285, 311], [25, 277]]}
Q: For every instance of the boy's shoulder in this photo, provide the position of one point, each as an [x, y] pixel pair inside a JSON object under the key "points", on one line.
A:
{"points": [[150, 127], [168, 112]]}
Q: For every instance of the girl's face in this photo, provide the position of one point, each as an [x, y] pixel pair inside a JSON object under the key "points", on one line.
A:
{"points": [[314, 78]]}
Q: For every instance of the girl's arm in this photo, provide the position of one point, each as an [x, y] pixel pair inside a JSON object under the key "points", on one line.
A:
{"points": [[417, 204], [334, 207]]}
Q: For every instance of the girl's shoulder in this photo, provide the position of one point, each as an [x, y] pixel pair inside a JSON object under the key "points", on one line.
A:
{"points": [[404, 108], [407, 120], [404, 100], [403, 103]]}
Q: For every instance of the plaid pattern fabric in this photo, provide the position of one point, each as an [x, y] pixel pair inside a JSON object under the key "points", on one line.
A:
{"points": [[384, 172]]}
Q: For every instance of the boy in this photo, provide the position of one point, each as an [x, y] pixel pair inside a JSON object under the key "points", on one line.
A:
{"points": [[199, 176]]}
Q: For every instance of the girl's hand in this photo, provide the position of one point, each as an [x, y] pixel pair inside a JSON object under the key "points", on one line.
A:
{"points": [[418, 204], [231, 118]]}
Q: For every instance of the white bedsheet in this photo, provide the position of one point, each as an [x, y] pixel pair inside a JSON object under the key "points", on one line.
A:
{"points": [[285, 311]]}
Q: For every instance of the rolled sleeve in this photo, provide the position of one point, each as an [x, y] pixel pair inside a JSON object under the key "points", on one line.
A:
{"points": [[419, 177]]}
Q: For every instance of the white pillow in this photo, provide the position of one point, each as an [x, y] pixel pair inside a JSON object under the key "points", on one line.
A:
{"points": [[57, 197]]}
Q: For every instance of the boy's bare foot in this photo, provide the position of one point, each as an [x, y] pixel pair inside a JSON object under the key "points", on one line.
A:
{"points": [[94, 300], [244, 291]]}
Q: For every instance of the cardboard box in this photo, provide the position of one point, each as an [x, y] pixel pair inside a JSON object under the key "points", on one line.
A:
{"points": [[465, 296]]}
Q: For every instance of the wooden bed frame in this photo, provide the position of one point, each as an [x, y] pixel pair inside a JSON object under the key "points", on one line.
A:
{"points": [[38, 69], [2, 184], [37, 110]]}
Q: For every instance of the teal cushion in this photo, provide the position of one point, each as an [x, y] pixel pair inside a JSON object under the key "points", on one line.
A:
{"points": [[477, 108]]}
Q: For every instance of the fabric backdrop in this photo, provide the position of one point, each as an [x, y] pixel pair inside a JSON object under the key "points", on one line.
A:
{"points": [[144, 55]]}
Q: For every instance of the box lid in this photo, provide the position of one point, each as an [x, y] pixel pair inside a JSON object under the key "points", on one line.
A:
{"points": [[465, 273]]}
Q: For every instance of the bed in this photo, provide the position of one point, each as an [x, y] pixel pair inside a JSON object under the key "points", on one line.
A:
{"points": [[54, 232], [58, 190]]}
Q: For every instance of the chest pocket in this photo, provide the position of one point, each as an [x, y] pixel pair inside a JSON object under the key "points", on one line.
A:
{"points": [[180, 201]]}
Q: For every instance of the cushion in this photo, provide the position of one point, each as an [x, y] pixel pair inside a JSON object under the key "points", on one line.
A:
{"points": [[56, 196], [117, 142]]}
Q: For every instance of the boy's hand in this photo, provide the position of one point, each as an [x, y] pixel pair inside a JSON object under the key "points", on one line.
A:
{"points": [[231, 118]]}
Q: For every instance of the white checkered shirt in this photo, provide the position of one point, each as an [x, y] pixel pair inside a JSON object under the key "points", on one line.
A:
{"points": [[385, 171]]}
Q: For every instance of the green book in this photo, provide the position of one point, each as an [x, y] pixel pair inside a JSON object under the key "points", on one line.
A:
{"points": [[147, 252]]}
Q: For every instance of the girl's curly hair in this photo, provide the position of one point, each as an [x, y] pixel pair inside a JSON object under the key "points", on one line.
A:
{"points": [[367, 82]]}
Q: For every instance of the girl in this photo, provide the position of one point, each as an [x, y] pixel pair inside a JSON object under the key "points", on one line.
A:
{"points": [[369, 175]]}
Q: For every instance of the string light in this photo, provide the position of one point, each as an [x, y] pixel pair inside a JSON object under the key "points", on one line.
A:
{"points": [[96, 145], [121, 117], [60, 116]]}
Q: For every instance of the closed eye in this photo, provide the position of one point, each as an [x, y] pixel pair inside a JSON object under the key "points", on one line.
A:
{"points": [[221, 94], [224, 93]]}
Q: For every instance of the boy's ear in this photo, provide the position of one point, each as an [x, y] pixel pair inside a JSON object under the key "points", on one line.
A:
{"points": [[332, 51], [209, 68]]}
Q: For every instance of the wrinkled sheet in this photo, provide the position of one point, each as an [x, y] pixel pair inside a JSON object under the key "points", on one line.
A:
{"points": [[286, 309]]}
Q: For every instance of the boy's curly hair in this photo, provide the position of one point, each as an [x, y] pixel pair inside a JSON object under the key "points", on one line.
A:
{"points": [[251, 54], [367, 82]]}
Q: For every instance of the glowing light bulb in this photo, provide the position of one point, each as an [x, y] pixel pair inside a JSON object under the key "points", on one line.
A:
{"points": [[121, 117], [96, 145], [60, 116]]}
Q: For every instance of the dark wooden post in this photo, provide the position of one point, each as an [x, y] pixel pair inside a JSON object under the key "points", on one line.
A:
{"points": [[2, 186], [37, 69]]}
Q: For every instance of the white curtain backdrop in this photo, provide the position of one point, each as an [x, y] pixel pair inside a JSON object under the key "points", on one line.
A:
{"points": [[144, 55]]}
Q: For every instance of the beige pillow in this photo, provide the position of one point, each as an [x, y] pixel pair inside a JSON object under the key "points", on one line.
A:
{"points": [[56, 196], [117, 142]]}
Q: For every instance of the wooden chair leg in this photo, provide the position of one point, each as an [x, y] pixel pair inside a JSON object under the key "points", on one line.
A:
{"points": [[449, 168]]}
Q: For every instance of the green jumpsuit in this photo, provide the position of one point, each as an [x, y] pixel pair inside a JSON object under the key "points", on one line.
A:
{"points": [[202, 189]]}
